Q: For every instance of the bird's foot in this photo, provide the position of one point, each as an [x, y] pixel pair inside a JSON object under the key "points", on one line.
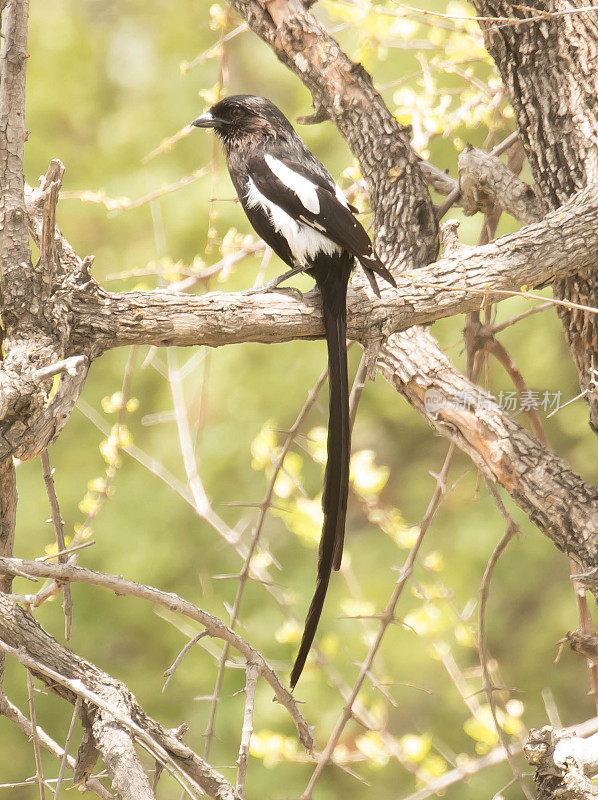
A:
{"points": [[272, 286]]}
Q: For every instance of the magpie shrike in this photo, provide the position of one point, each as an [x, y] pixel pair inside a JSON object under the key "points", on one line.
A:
{"points": [[294, 204]]}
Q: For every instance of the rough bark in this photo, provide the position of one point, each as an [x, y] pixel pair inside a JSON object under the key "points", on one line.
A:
{"points": [[550, 70], [488, 184], [564, 764]]}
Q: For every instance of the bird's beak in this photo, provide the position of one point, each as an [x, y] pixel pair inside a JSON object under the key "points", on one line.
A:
{"points": [[207, 120]]}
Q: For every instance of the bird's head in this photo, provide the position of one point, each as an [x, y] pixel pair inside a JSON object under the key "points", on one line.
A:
{"points": [[244, 116]]}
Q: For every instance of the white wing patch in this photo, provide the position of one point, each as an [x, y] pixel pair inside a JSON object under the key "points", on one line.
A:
{"points": [[340, 196], [305, 190], [304, 242]]}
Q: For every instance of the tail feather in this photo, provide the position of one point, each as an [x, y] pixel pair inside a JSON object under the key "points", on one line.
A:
{"points": [[333, 287], [372, 263]]}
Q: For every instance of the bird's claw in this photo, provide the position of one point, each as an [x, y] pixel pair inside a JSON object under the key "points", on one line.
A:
{"points": [[273, 286]]}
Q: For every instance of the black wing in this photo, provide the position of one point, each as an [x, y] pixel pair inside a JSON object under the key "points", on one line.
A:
{"points": [[311, 196]]}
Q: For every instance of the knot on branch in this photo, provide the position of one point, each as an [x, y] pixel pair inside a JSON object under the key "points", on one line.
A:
{"points": [[486, 184]]}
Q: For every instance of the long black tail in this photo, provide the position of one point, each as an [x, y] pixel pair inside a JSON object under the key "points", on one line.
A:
{"points": [[332, 283]]}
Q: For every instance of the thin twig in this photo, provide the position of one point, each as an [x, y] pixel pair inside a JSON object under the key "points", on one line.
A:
{"points": [[14, 714], [80, 690], [540, 15], [518, 317], [67, 743], [38, 759], [67, 551], [116, 205], [511, 530], [255, 535], [175, 603], [173, 667], [47, 473], [438, 785], [251, 677], [386, 618], [357, 388], [585, 626]]}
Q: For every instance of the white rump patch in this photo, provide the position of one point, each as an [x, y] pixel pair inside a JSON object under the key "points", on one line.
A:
{"points": [[305, 190], [304, 242]]}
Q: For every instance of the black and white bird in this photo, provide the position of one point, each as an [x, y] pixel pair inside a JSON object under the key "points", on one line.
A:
{"points": [[296, 207]]}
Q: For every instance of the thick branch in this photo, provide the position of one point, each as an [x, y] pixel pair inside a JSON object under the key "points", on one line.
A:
{"points": [[486, 183], [543, 485], [565, 241], [15, 263], [564, 764]]}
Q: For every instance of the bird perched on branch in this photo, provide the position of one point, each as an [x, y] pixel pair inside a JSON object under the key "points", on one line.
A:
{"points": [[294, 204]]}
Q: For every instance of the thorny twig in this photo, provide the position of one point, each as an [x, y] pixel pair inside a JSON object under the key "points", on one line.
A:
{"points": [[11, 712], [172, 602], [386, 618], [256, 533]]}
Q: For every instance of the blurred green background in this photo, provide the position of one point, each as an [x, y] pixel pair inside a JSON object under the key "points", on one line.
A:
{"points": [[108, 82]]}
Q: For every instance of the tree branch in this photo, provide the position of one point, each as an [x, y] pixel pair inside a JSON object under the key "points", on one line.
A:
{"points": [[15, 262], [455, 284], [171, 601], [564, 764], [556, 499], [115, 715], [486, 183], [11, 712]]}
